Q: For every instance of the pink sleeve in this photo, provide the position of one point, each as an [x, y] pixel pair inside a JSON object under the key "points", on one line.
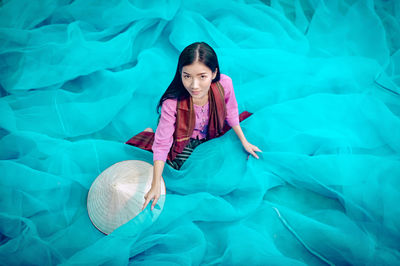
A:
{"points": [[232, 112], [164, 133]]}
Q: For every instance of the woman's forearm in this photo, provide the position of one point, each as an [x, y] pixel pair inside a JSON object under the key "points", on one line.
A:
{"points": [[239, 133], [157, 171]]}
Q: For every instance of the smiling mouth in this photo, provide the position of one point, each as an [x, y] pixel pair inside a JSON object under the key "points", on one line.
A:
{"points": [[195, 92]]}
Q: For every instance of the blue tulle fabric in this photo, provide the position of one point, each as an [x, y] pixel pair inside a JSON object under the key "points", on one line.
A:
{"points": [[79, 78]]}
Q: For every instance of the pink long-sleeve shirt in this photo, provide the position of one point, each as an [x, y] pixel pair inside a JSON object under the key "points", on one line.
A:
{"points": [[164, 134]]}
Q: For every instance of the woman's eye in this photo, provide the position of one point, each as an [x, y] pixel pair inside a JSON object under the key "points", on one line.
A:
{"points": [[203, 77], [186, 76]]}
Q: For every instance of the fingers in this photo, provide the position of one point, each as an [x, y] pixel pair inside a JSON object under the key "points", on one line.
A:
{"points": [[254, 154], [154, 202], [146, 202], [252, 149], [148, 198], [257, 149]]}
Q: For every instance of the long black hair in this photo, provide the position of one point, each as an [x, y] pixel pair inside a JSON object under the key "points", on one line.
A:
{"points": [[198, 51]]}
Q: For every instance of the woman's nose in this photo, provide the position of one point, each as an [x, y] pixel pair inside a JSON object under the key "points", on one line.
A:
{"points": [[195, 84]]}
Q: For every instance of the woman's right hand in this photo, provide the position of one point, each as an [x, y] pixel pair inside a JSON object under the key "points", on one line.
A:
{"points": [[153, 194]]}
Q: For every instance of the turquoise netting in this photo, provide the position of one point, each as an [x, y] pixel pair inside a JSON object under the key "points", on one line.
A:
{"points": [[79, 78]]}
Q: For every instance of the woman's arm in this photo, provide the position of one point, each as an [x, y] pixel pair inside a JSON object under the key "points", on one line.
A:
{"points": [[232, 116], [250, 148], [162, 143]]}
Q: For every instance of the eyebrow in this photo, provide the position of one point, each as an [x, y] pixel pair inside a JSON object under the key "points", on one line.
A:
{"points": [[197, 74]]}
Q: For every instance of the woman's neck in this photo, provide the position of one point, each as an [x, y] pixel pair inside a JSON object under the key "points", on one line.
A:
{"points": [[200, 102]]}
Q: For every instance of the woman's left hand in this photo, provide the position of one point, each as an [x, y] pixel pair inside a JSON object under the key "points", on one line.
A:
{"points": [[251, 149]]}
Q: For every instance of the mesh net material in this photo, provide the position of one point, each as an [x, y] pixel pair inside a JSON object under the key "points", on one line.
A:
{"points": [[79, 78]]}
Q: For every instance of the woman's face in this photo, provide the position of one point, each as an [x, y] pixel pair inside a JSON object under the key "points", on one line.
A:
{"points": [[197, 79]]}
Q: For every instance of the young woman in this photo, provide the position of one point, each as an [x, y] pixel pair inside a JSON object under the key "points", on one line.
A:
{"points": [[198, 105]]}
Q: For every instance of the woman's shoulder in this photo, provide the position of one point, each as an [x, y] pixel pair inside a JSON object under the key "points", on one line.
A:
{"points": [[223, 78], [170, 101], [226, 82], [169, 105]]}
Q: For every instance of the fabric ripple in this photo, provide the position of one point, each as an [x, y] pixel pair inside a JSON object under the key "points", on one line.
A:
{"points": [[79, 78]]}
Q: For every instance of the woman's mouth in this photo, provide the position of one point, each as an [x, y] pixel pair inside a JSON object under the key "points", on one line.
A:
{"points": [[195, 92]]}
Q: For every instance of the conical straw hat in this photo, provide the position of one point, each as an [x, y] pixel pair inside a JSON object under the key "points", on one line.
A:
{"points": [[117, 194]]}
